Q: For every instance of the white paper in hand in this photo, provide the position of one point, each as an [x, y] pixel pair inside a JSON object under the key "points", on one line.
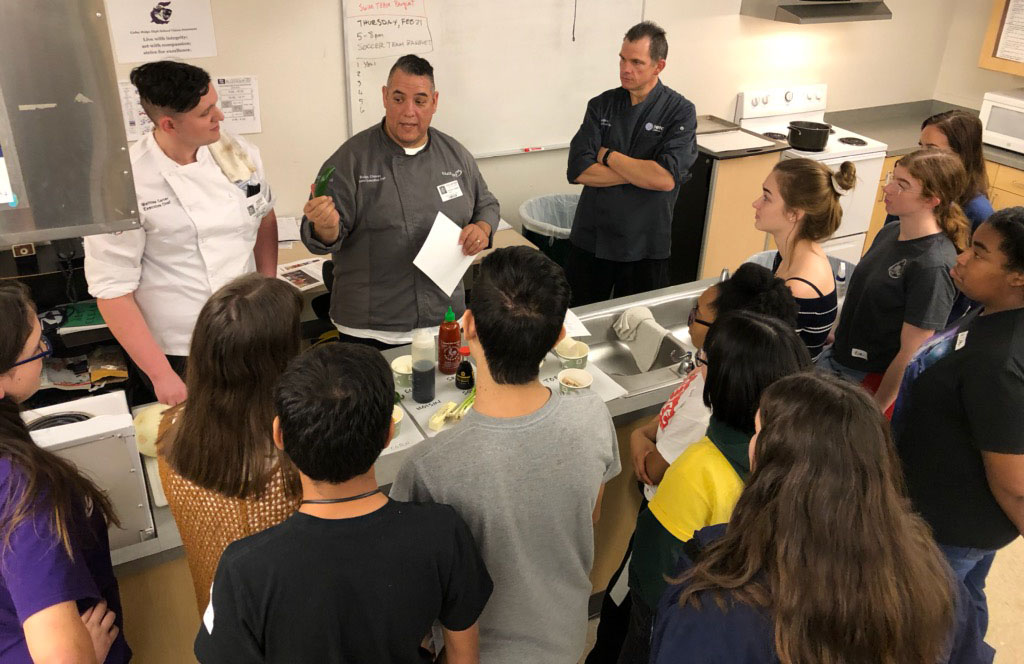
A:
{"points": [[574, 327], [441, 257]]}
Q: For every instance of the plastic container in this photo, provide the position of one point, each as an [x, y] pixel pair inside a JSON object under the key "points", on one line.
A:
{"points": [[449, 340], [423, 366], [547, 222], [464, 378]]}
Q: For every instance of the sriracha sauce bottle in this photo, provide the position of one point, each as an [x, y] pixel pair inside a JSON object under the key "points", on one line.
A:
{"points": [[449, 340]]}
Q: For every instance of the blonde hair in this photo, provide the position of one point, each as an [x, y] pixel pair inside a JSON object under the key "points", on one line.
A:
{"points": [[814, 188]]}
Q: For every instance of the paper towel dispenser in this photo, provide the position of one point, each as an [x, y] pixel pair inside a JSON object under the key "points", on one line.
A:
{"points": [[64, 165], [816, 11]]}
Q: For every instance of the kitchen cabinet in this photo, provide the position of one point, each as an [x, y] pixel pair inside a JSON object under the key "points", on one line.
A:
{"points": [[729, 235], [878, 213], [1007, 186]]}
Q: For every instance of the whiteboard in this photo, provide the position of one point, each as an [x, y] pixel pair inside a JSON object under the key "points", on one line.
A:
{"points": [[513, 76]]}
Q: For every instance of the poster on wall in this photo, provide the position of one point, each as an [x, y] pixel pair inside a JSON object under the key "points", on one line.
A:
{"points": [[1011, 38], [145, 30], [239, 100], [6, 192]]}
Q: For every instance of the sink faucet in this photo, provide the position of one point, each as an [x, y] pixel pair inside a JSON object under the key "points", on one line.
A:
{"points": [[685, 359], [725, 275]]}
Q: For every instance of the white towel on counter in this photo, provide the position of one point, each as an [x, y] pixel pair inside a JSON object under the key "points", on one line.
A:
{"points": [[642, 334]]}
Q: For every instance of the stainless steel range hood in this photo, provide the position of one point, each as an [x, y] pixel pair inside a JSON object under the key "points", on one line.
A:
{"points": [[816, 11], [65, 166]]}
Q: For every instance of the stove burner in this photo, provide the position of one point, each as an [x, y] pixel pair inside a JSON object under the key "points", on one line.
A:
{"points": [[852, 140], [774, 134], [58, 419]]}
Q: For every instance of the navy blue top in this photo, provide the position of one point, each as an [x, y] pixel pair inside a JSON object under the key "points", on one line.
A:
{"points": [[815, 315], [743, 633], [627, 223]]}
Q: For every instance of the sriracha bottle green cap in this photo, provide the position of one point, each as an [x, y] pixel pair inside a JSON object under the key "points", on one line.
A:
{"points": [[449, 316]]}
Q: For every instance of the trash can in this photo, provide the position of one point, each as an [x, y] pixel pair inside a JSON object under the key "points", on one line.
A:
{"points": [[547, 222]]}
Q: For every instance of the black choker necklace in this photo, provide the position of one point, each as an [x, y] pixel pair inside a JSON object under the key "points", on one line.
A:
{"points": [[331, 501]]}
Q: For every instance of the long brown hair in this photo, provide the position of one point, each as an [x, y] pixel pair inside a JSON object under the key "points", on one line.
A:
{"points": [[963, 131], [824, 538], [808, 185], [942, 175], [244, 336], [35, 471]]}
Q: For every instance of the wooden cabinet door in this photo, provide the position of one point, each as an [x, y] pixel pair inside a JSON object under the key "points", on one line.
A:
{"points": [[730, 237], [1004, 199], [1009, 179]]}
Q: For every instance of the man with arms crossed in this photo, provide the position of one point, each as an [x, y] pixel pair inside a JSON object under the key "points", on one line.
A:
{"points": [[390, 182], [352, 576], [207, 217], [525, 468], [632, 153]]}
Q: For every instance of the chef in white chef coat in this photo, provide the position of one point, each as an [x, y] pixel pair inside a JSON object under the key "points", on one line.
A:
{"points": [[207, 217]]}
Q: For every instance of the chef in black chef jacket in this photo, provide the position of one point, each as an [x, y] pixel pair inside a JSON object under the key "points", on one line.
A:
{"points": [[632, 152]]}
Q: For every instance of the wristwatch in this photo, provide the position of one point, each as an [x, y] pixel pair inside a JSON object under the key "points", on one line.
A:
{"points": [[605, 159]]}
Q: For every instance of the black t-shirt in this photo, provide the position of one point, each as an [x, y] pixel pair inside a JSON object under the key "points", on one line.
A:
{"points": [[625, 222], [963, 395], [365, 589], [896, 282]]}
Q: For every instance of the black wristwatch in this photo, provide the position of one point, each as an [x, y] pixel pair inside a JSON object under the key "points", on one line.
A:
{"points": [[605, 160]]}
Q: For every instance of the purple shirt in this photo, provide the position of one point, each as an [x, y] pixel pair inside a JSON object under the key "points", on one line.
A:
{"points": [[36, 571]]}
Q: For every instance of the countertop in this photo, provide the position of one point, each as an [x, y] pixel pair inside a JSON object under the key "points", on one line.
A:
{"points": [[899, 126]]}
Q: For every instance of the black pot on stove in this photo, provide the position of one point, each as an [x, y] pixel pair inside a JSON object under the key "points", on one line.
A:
{"points": [[809, 136]]}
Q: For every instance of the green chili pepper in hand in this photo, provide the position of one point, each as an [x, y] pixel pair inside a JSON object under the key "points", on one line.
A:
{"points": [[320, 188]]}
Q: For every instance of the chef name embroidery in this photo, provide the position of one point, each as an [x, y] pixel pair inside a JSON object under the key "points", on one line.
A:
{"points": [[155, 203], [366, 179]]}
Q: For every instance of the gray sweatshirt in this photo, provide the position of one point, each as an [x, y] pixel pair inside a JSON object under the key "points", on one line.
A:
{"points": [[387, 201]]}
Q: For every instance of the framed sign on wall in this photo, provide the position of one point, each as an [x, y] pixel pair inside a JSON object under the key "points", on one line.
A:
{"points": [[1003, 47]]}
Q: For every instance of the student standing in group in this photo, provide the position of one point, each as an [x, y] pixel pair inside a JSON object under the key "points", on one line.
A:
{"points": [[632, 153], [389, 183], [821, 561], [901, 291], [959, 421], [207, 216], [525, 468], [960, 132], [683, 420], [744, 354], [54, 552], [223, 477], [799, 207], [353, 576]]}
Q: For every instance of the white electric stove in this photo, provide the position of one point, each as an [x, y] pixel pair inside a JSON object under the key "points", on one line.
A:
{"points": [[768, 111]]}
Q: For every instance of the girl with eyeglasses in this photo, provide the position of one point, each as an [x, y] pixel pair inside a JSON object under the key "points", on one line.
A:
{"points": [[822, 559], [901, 292], [959, 419], [799, 207], [683, 419], [745, 353], [59, 599]]}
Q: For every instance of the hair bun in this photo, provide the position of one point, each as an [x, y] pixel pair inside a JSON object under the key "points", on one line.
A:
{"points": [[845, 178]]}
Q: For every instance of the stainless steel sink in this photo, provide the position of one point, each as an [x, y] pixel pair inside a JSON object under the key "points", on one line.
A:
{"points": [[671, 308]]}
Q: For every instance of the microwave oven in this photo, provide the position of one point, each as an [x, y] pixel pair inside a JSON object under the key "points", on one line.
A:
{"points": [[1002, 119]]}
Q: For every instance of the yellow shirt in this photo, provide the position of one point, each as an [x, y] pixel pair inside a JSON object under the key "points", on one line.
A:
{"points": [[699, 489]]}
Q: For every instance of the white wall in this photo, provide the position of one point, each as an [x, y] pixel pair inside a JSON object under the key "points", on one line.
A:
{"points": [[961, 80], [295, 50]]}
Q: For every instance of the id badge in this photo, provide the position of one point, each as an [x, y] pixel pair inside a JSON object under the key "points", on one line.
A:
{"points": [[449, 190], [259, 205]]}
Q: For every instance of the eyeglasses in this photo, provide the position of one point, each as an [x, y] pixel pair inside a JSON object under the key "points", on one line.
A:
{"points": [[693, 316], [45, 350], [903, 189], [700, 358]]}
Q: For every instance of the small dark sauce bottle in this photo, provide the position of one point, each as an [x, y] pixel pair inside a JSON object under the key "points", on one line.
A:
{"points": [[464, 374]]}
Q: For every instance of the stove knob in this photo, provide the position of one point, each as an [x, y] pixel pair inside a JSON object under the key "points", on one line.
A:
{"points": [[764, 100], [818, 97], [754, 102], [809, 96], [789, 95]]}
